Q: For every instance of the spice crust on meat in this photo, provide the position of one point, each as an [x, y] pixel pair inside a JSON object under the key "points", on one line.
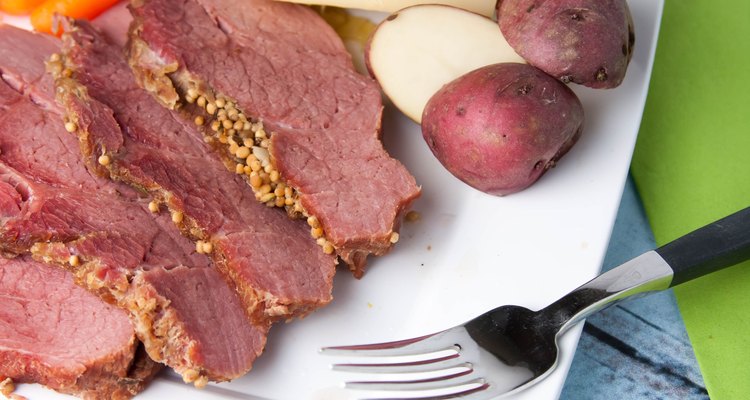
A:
{"points": [[298, 123]]}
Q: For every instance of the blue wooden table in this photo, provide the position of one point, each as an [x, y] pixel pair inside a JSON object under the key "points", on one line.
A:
{"points": [[637, 349]]}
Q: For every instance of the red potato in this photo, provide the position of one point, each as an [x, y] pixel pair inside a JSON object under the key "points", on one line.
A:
{"points": [[501, 127], [589, 42]]}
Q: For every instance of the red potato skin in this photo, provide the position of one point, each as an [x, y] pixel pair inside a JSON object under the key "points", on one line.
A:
{"points": [[589, 42], [501, 127]]}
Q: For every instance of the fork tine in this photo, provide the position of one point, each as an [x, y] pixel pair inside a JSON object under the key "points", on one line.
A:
{"points": [[396, 364], [444, 340], [395, 348], [438, 393], [448, 378], [396, 368]]}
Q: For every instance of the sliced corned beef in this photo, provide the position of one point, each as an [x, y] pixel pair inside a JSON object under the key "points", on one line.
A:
{"points": [[277, 270], [273, 78], [55, 333], [28, 78], [105, 234]]}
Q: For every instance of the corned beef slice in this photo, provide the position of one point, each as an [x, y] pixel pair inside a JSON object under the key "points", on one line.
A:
{"points": [[281, 67], [277, 270], [17, 49], [58, 334], [54, 208]]}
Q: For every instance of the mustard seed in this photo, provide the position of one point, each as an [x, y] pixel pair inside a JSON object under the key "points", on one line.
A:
{"points": [[71, 126], [177, 217]]}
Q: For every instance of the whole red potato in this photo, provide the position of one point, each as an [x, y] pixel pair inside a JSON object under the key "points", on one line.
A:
{"points": [[501, 127], [589, 42]]}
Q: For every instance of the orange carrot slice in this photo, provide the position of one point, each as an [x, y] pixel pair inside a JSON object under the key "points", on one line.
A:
{"points": [[42, 16], [19, 7]]}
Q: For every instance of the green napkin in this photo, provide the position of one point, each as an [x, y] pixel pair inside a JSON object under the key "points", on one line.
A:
{"points": [[692, 165]]}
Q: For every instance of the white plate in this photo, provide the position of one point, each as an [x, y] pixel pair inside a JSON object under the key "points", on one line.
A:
{"points": [[468, 253]]}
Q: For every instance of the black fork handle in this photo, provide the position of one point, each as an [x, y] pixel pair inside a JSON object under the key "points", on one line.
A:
{"points": [[718, 245]]}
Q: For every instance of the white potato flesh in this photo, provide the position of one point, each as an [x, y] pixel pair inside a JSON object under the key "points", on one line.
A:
{"points": [[484, 7], [416, 51]]}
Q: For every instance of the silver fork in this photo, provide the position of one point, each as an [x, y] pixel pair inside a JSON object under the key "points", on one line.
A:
{"points": [[510, 348]]}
